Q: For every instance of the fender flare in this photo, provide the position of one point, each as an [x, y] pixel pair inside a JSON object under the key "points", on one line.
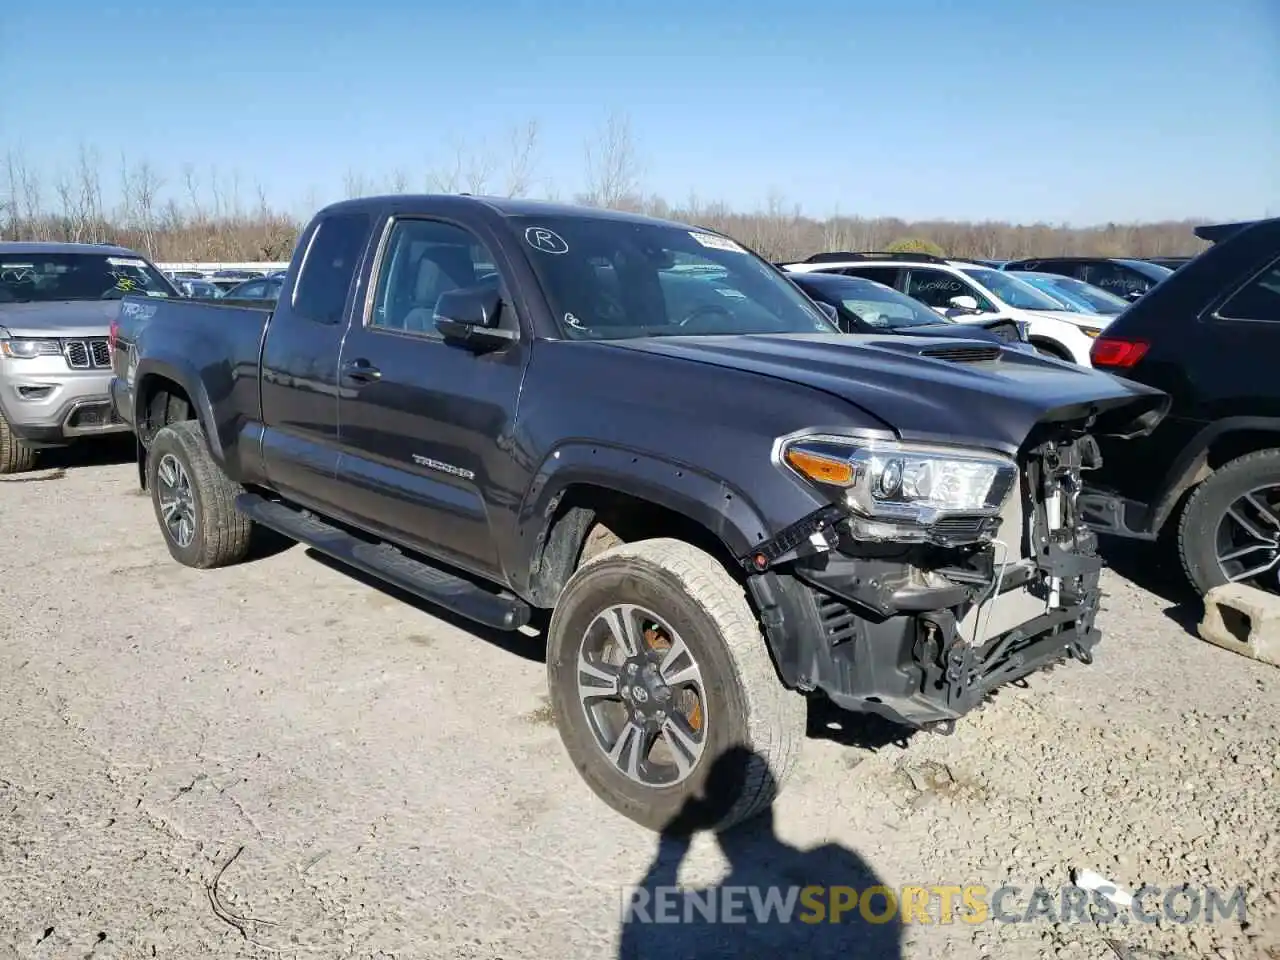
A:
{"points": [[1182, 474], [722, 508], [186, 377]]}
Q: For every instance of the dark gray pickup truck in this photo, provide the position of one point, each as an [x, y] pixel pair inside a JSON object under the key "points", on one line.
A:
{"points": [[648, 431]]}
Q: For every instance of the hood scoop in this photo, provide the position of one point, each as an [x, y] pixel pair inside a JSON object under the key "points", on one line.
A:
{"points": [[963, 353]]}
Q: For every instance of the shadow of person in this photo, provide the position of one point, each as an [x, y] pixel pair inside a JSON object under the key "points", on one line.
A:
{"points": [[776, 901]]}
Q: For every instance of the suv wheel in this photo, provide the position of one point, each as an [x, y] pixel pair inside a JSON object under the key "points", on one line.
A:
{"points": [[15, 456], [664, 692], [1230, 529], [194, 500]]}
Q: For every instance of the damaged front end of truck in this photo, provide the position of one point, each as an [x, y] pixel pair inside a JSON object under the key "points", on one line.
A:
{"points": [[937, 573]]}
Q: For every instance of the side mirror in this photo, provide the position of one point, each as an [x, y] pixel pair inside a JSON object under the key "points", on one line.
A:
{"points": [[965, 303], [469, 316]]}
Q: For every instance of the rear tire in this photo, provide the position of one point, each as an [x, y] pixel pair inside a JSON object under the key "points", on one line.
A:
{"points": [[1203, 520], [15, 456], [187, 485], [749, 727]]}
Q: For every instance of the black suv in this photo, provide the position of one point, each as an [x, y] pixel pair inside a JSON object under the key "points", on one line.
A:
{"points": [[1208, 477], [1123, 277]]}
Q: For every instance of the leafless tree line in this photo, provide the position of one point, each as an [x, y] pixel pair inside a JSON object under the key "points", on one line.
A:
{"points": [[202, 215]]}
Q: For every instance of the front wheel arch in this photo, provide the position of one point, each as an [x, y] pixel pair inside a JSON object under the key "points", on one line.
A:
{"points": [[1051, 348]]}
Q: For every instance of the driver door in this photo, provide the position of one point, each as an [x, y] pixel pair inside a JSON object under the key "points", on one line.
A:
{"points": [[425, 426]]}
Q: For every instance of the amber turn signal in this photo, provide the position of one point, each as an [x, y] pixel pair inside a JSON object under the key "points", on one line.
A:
{"points": [[819, 468]]}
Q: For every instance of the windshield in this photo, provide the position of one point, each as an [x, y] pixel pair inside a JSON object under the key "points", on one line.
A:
{"points": [[1094, 299], [873, 303], [613, 279], [1014, 292], [46, 277], [1152, 271]]}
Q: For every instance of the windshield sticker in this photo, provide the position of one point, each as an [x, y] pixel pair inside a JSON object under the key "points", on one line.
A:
{"points": [[127, 262], [572, 321], [547, 241], [712, 242], [125, 283]]}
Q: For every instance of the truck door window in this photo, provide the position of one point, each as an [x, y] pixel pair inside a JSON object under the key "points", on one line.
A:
{"points": [[423, 259], [329, 266]]}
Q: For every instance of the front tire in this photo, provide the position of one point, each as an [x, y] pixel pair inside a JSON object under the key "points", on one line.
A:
{"points": [[1230, 528], [15, 456], [194, 500], [664, 692]]}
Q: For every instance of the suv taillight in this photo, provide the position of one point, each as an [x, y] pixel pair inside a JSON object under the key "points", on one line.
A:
{"points": [[1115, 352]]}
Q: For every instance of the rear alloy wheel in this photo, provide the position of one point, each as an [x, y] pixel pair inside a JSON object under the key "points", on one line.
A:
{"points": [[15, 456], [664, 692], [194, 500], [1230, 529]]}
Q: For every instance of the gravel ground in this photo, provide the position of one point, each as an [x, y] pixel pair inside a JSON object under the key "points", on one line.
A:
{"points": [[283, 760]]}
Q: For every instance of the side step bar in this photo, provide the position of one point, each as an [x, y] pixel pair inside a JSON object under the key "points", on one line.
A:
{"points": [[499, 610]]}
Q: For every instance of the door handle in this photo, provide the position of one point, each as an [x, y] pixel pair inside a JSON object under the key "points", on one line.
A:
{"points": [[361, 371]]}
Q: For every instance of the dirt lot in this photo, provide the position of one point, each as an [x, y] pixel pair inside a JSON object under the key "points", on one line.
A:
{"points": [[282, 760]]}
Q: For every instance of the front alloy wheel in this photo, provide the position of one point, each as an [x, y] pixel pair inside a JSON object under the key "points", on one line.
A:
{"points": [[664, 692], [642, 695]]}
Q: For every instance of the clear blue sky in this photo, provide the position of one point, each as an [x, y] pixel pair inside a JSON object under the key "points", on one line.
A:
{"points": [[1080, 112]]}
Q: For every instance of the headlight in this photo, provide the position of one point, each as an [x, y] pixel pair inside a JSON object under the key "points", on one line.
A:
{"points": [[898, 486], [26, 347]]}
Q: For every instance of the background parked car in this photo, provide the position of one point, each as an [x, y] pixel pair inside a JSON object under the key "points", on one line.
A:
{"points": [[1118, 275], [1074, 294], [199, 288], [1173, 263], [864, 306], [267, 288], [57, 301], [970, 293], [1207, 479]]}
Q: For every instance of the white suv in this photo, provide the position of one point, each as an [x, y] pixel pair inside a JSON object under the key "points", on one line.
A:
{"points": [[971, 292]]}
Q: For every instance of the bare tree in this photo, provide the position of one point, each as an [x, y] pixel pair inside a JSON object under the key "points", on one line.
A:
{"points": [[469, 170], [613, 165], [355, 185], [204, 220], [520, 169]]}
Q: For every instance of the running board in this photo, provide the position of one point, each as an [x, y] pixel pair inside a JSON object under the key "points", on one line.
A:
{"points": [[499, 610]]}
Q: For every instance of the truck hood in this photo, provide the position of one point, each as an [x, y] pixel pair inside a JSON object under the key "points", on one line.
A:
{"points": [[955, 396], [59, 318]]}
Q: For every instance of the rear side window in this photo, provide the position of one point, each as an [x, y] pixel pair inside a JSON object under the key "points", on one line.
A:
{"points": [[886, 275], [1259, 299], [330, 265]]}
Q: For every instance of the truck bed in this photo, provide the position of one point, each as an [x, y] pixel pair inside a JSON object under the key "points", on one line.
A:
{"points": [[224, 337]]}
